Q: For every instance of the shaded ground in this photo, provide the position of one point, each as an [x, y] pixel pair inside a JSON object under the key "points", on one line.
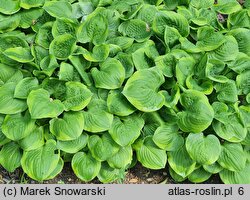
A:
{"points": [[137, 175]]}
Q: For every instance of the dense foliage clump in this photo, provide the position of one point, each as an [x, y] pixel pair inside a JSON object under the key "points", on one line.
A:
{"points": [[104, 84]]}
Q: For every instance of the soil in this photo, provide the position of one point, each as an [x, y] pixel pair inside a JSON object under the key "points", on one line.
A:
{"points": [[136, 175]]}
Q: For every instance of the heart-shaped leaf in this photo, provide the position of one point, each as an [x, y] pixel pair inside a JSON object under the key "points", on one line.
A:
{"points": [[25, 86], [41, 106], [203, 149], [108, 174], [85, 166], [69, 127], [125, 130], [41, 162], [18, 126]]}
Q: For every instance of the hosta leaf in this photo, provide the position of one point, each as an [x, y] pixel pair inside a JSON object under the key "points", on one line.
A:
{"points": [[102, 147], [147, 81], [98, 54], [226, 7], [171, 36], [121, 41], [33, 141], [199, 175], [42, 106], [214, 69], [118, 104], [57, 170], [41, 162], [19, 54], [9, 104], [96, 120], [77, 96], [94, 29], [25, 86], [231, 129], [108, 174], [243, 82], [73, 146], [232, 157], [181, 162], [240, 177], [85, 166], [58, 9], [203, 149], [10, 156], [9, 7], [9, 23], [27, 4], [122, 158], [176, 176], [241, 63], [69, 127], [213, 168], [62, 46], [202, 3], [44, 35], [227, 92], [9, 74], [18, 126], [224, 52], [136, 29], [198, 113], [167, 137], [29, 17], [125, 130], [110, 75], [63, 26], [3, 139], [68, 73], [149, 155], [243, 39], [171, 19]]}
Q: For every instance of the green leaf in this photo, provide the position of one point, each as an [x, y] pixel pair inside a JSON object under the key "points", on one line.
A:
{"points": [[62, 46], [85, 166], [232, 157], [3, 139], [167, 137], [108, 174], [230, 128], [18, 126], [73, 146], [99, 53], [9, 7], [102, 147], [10, 156], [147, 81], [77, 96], [19, 54], [240, 177], [69, 127], [202, 3], [204, 150], [29, 17], [58, 9], [171, 19], [97, 120], [227, 7], [213, 168], [243, 82], [44, 35], [125, 130], [149, 155], [110, 75], [34, 140], [198, 113], [181, 162], [9, 22], [122, 159], [94, 29], [42, 106], [41, 162], [118, 104], [27, 4], [57, 170], [25, 86], [9, 104], [9, 74], [199, 175], [136, 29], [63, 26], [227, 92]]}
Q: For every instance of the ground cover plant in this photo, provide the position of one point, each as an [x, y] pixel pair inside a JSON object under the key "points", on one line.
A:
{"points": [[104, 84]]}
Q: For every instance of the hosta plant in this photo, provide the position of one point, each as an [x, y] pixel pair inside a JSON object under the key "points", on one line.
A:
{"points": [[104, 84]]}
